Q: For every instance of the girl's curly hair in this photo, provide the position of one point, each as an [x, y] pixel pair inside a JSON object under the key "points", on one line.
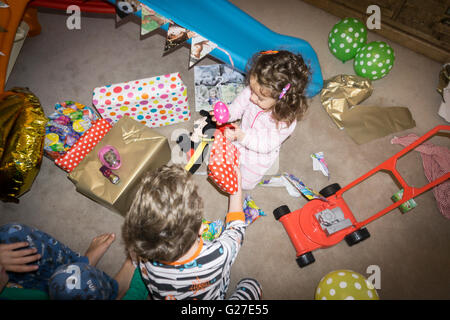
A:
{"points": [[274, 70]]}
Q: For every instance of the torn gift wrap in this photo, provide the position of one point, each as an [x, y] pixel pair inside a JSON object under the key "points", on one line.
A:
{"points": [[341, 96], [294, 186], [154, 102], [319, 163], [367, 123], [65, 127], [211, 229], [340, 93], [141, 149], [251, 210]]}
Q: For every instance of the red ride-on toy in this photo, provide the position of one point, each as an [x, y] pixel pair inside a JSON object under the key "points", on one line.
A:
{"points": [[322, 224]]}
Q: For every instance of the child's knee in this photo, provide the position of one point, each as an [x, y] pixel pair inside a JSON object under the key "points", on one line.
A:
{"points": [[81, 281]]}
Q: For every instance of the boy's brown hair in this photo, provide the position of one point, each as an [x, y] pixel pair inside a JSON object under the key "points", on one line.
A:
{"points": [[274, 70], [165, 217]]}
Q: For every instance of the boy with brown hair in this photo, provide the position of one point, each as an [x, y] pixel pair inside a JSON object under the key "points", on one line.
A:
{"points": [[162, 233]]}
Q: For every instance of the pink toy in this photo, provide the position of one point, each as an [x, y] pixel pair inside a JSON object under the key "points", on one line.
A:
{"points": [[221, 112], [109, 157]]}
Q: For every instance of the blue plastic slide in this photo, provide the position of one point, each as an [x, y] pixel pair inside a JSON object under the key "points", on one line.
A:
{"points": [[234, 31]]}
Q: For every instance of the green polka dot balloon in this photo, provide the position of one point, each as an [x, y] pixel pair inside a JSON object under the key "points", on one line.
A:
{"points": [[345, 285], [346, 38], [374, 60]]}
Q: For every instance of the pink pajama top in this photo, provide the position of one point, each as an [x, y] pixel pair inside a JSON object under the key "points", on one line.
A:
{"points": [[261, 146]]}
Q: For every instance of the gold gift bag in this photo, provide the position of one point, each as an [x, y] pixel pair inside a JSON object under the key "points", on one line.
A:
{"points": [[140, 148]]}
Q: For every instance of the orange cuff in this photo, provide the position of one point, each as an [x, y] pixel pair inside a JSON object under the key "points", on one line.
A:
{"points": [[232, 216]]}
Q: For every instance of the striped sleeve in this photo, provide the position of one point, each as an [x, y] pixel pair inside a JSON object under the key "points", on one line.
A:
{"points": [[233, 235]]}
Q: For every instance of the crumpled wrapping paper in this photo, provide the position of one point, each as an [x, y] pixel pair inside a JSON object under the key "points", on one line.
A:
{"points": [[367, 123], [341, 93], [22, 130], [341, 96], [140, 148], [436, 163]]}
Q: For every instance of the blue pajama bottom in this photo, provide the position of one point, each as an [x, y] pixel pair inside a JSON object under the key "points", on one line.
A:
{"points": [[63, 273]]}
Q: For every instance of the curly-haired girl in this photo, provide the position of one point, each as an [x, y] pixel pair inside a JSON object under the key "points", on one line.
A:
{"points": [[268, 108]]}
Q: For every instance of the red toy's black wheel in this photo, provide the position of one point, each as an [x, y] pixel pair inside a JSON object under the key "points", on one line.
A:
{"points": [[305, 259], [330, 190], [357, 236], [281, 211]]}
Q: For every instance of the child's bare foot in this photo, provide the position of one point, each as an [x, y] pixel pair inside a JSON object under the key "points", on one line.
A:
{"points": [[98, 247]]}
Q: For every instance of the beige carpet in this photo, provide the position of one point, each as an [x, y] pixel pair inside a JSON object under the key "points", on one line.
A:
{"points": [[412, 250]]}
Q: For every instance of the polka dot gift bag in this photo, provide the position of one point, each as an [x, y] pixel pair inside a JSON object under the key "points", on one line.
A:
{"points": [[223, 158], [154, 102]]}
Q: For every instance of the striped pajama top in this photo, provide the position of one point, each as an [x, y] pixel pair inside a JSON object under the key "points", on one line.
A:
{"points": [[206, 275]]}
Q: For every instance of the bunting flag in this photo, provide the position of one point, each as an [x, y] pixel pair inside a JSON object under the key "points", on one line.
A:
{"points": [[125, 10], [177, 35], [200, 47], [150, 20]]}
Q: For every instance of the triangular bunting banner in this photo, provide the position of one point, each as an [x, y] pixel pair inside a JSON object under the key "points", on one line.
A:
{"points": [[200, 47], [150, 20], [177, 35]]}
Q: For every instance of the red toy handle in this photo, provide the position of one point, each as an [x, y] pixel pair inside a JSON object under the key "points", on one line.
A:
{"points": [[390, 165]]}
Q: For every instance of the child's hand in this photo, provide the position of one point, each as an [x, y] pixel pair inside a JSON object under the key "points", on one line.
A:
{"points": [[214, 118], [234, 134], [16, 257]]}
